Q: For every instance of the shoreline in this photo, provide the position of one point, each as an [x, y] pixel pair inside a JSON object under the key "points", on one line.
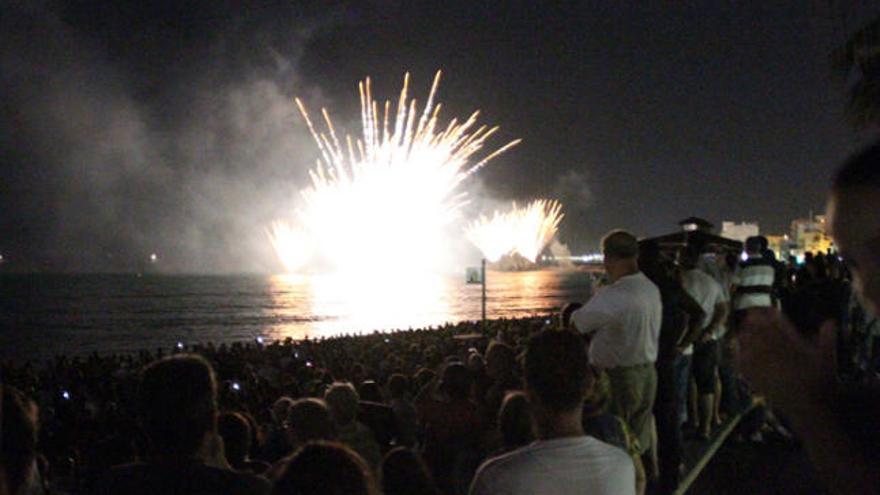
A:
{"points": [[467, 328]]}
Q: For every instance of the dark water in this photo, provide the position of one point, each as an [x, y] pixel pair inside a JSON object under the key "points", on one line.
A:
{"points": [[41, 315]]}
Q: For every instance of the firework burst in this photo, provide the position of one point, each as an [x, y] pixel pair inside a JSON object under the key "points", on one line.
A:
{"points": [[388, 197], [524, 231]]}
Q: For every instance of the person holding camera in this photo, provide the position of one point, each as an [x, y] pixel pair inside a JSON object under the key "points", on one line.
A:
{"points": [[797, 369]]}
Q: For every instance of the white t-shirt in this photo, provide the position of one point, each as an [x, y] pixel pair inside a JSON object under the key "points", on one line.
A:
{"points": [[709, 264], [570, 465], [707, 292], [626, 318]]}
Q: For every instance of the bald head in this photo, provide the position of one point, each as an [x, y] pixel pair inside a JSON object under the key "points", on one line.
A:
{"points": [[621, 252], [620, 244]]}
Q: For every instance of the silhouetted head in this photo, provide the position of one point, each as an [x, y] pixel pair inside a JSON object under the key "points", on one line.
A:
{"points": [[456, 381], [178, 404], [423, 377], [556, 371], [500, 360], [475, 363], [820, 266], [324, 468], [754, 245], [515, 421], [236, 433], [690, 255], [280, 409], [342, 400], [652, 263], [309, 420], [404, 473], [370, 390], [398, 386], [731, 261]]}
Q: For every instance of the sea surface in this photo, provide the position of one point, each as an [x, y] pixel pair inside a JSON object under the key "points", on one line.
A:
{"points": [[44, 315]]}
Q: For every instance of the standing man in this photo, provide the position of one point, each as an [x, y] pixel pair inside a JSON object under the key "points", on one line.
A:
{"points": [[753, 279], [623, 321], [682, 318], [178, 411], [707, 351], [563, 459]]}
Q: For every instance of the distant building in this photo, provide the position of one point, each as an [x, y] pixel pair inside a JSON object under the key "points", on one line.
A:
{"points": [[809, 236], [782, 245], [739, 231]]}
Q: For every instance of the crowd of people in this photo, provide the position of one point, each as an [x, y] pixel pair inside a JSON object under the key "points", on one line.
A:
{"points": [[595, 400], [405, 412]]}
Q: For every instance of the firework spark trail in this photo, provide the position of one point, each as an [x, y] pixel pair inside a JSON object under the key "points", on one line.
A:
{"points": [[389, 196], [524, 231]]}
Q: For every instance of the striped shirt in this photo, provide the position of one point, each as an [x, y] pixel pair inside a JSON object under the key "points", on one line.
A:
{"points": [[754, 283]]}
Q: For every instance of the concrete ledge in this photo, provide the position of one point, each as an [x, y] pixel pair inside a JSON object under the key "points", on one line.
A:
{"points": [[718, 440]]}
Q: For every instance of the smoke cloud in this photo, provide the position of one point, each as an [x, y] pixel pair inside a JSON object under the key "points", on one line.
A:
{"points": [[188, 156], [573, 190], [172, 133]]}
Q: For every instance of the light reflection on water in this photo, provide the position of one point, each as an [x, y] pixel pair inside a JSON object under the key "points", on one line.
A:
{"points": [[342, 305], [401, 300], [42, 315]]}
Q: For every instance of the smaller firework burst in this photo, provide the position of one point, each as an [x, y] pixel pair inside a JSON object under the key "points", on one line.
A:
{"points": [[524, 231]]}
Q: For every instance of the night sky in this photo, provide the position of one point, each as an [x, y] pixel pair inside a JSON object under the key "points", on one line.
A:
{"points": [[167, 128]]}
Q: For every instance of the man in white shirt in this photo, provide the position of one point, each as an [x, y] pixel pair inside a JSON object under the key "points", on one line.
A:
{"points": [[707, 352], [623, 321], [563, 460]]}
